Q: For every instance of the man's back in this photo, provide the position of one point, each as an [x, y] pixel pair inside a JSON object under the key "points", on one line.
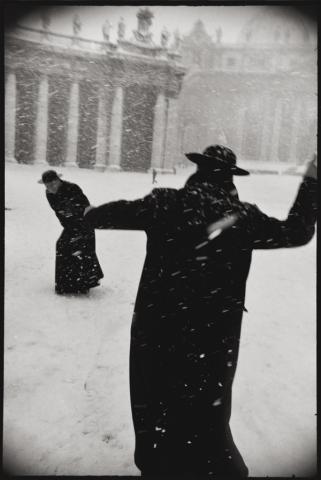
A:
{"points": [[187, 321], [194, 271]]}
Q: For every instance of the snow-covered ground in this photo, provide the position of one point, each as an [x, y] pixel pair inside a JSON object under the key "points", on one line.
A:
{"points": [[66, 389]]}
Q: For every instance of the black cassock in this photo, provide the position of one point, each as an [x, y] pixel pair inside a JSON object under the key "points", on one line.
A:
{"points": [[77, 265], [187, 321]]}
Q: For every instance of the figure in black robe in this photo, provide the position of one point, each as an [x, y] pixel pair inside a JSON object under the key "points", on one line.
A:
{"points": [[188, 312], [77, 265]]}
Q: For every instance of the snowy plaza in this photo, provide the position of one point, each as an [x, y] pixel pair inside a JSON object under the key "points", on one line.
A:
{"points": [[66, 387], [114, 97]]}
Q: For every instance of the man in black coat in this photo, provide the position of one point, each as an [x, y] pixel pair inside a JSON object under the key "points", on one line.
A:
{"points": [[77, 266], [187, 318]]}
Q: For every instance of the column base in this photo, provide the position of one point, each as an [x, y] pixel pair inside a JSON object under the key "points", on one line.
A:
{"points": [[100, 168], [70, 164], [113, 168], [10, 159], [40, 162], [162, 170]]}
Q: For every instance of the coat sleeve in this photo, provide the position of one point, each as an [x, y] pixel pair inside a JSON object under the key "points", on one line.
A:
{"points": [[267, 232], [140, 214]]}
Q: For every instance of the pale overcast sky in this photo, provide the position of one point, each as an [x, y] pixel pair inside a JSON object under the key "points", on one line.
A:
{"points": [[230, 18]]}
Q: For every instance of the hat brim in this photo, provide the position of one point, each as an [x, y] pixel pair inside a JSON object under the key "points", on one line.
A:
{"points": [[42, 182], [206, 161]]}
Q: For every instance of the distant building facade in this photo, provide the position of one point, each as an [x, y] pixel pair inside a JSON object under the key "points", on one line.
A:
{"points": [[94, 104], [137, 105], [257, 96]]}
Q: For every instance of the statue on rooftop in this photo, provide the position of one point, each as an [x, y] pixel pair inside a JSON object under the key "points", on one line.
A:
{"points": [[248, 35], [177, 40], [76, 24], [121, 29], [142, 33], [164, 37], [106, 30], [219, 34], [277, 35], [287, 35], [45, 20]]}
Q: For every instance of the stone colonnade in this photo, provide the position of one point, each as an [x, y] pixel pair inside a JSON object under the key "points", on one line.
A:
{"points": [[10, 117], [101, 109], [268, 118], [272, 129], [165, 138], [280, 136], [165, 135]]}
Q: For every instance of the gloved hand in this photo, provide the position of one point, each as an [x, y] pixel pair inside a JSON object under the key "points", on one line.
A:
{"points": [[90, 207], [312, 170]]}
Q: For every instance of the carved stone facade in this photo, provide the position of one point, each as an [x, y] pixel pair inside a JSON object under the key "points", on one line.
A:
{"points": [[90, 104], [257, 96], [132, 105]]}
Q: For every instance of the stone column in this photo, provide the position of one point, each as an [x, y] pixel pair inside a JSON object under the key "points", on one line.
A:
{"points": [[266, 128], [73, 121], [42, 123], [240, 130], [295, 133], [116, 130], [171, 146], [101, 149], [10, 117], [275, 137], [158, 132], [188, 142]]}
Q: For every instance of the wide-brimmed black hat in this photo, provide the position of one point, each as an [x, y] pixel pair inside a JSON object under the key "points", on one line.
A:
{"points": [[217, 158], [49, 176]]}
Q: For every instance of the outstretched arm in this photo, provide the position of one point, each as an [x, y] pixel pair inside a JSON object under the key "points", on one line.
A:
{"points": [[298, 228], [124, 215], [138, 214], [155, 210]]}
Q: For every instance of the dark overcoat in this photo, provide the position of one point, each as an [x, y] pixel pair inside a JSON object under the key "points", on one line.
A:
{"points": [[187, 320], [77, 266]]}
